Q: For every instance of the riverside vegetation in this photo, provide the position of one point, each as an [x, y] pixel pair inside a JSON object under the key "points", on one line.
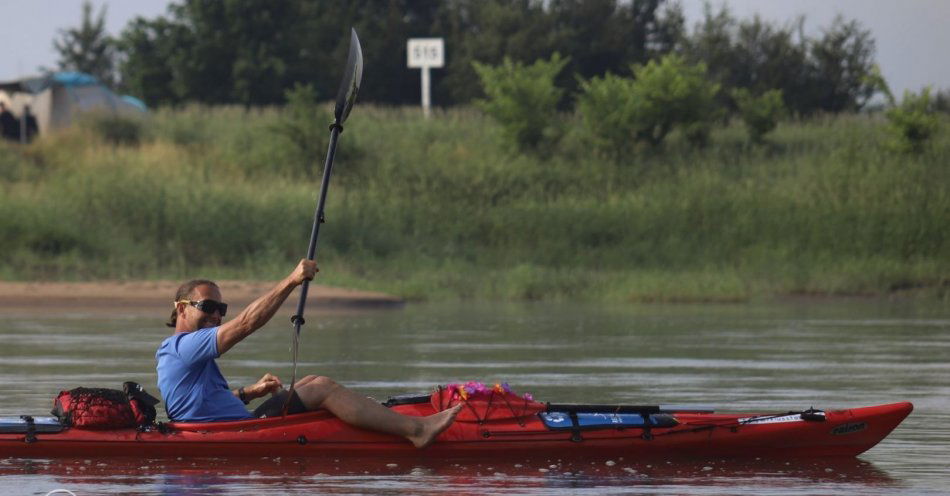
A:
{"points": [[443, 208], [606, 161]]}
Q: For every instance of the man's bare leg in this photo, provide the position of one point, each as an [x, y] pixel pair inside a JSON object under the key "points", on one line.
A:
{"points": [[354, 409]]}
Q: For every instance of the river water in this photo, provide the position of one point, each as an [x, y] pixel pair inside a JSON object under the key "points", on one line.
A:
{"points": [[757, 357]]}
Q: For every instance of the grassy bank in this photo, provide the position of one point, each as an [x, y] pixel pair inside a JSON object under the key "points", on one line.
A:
{"points": [[440, 209]]}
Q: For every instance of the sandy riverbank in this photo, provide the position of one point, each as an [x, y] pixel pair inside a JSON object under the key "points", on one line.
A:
{"points": [[146, 295]]}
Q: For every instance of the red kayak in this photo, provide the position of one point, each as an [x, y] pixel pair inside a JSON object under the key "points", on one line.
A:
{"points": [[499, 424]]}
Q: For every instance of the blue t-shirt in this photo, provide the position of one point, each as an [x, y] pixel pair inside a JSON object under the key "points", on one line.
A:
{"points": [[191, 384]]}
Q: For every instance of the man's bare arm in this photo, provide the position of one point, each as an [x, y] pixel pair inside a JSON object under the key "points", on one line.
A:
{"points": [[262, 309]]}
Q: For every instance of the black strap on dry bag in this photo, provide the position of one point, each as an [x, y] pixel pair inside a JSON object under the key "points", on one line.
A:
{"points": [[146, 401]]}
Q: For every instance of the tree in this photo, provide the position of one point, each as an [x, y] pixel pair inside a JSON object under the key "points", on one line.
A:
{"points": [[672, 92], [841, 62], [487, 32], [253, 51], [88, 48], [751, 54], [712, 42], [759, 113], [233, 50], [914, 122], [523, 99], [229, 51], [662, 95], [608, 113], [825, 74], [770, 56], [607, 36], [146, 69], [942, 101], [302, 128]]}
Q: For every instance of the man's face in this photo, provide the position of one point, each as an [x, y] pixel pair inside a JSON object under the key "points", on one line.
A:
{"points": [[194, 319]]}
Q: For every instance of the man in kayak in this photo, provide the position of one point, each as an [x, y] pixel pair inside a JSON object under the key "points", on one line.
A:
{"points": [[194, 390]]}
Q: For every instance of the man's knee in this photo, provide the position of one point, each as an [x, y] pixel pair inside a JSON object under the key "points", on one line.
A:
{"points": [[315, 390], [318, 382]]}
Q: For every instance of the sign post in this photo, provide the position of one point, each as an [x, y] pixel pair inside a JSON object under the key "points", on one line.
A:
{"points": [[423, 53]]}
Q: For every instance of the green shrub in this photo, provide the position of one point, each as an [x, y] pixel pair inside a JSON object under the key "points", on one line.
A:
{"points": [[662, 96], [942, 101], [116, 129], [11, 165], [523, 99], [302, 132], [697, 133], [913, 122], [187, 126], [302, 125], [448, 212], [608, 113], [759, 113], [672, 93]]}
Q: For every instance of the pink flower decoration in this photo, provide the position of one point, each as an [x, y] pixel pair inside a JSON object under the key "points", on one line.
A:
{"points": [[476, 390]]}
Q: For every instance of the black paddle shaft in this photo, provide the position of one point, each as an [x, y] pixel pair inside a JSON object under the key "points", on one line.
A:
{"points": [[318, 218], [345, 99]]}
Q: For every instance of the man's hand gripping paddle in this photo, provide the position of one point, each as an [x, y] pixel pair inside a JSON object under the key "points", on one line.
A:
{"points": [[345, 99]]}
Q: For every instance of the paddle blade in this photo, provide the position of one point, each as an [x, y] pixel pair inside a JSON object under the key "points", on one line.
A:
{"points": [[352, 77]]}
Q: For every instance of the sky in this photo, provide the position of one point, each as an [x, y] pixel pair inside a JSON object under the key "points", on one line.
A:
{"points": [[911, 35]]}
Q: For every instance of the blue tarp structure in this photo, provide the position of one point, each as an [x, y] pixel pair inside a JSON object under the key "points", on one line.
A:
{"points": [[74, 79], [56, 99]]}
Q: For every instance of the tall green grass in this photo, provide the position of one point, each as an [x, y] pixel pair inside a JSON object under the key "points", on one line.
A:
{"points": [[441, 208]]}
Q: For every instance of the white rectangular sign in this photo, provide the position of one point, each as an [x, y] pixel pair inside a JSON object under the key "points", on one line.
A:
{"points": [[425, 52]]}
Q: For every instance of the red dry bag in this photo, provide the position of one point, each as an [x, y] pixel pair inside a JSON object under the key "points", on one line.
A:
{"points": [[101, 408]]}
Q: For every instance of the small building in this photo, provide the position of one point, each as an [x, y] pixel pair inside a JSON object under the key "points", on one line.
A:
{"points": [[57, 99]]}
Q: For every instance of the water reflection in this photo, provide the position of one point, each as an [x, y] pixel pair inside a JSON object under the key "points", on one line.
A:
{"points": [[462, 477]]}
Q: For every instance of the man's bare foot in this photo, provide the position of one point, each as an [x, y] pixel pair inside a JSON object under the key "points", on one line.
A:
{"points": [[431, 426]]}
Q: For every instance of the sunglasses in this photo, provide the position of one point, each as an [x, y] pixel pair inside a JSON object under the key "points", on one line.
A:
{"points": [[207, 306]]}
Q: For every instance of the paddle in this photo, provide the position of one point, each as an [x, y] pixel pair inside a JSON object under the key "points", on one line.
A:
{"points": [[345, 98]]}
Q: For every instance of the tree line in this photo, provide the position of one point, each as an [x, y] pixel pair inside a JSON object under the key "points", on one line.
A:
{"points": [[251, 52]]}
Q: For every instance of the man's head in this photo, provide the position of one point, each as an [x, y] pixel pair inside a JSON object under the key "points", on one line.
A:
{"points": [[197, 306]]}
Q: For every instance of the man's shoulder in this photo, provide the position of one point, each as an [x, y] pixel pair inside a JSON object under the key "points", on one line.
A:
{"points": [[200, 333], [189, 338]]}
